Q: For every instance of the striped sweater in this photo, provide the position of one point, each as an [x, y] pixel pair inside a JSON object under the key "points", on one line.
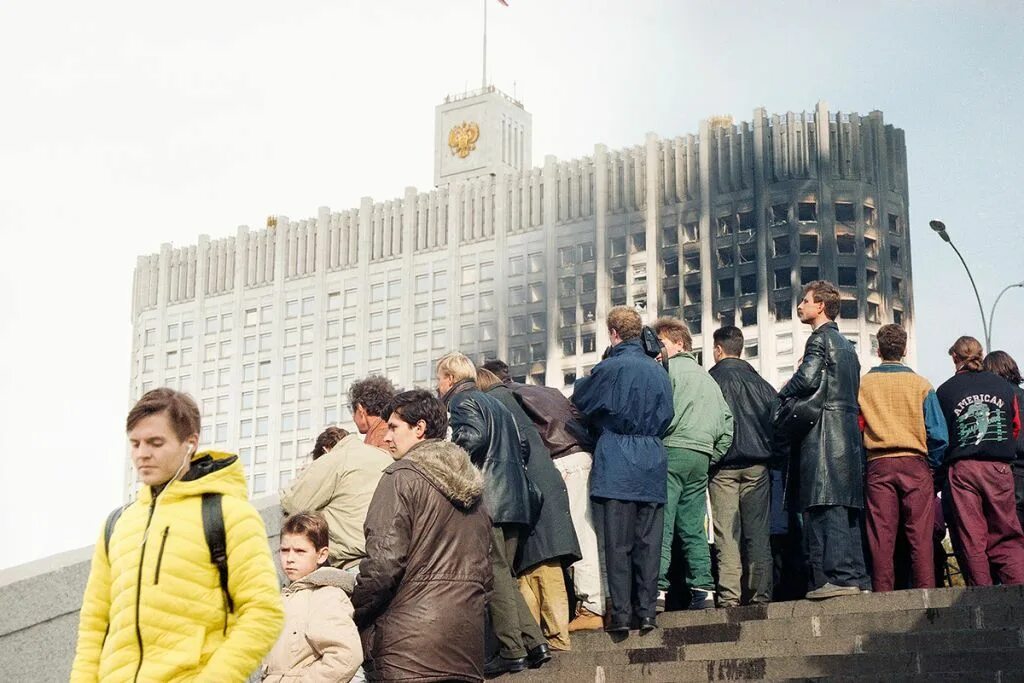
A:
{"points": [[900, 414]]}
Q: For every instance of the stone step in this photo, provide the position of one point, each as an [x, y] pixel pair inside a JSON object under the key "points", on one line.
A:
{"points": [[899, 600], [999, 664]]}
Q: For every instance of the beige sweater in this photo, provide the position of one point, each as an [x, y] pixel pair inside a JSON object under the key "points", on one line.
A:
{"points": [[339, 484], [320, 642]]}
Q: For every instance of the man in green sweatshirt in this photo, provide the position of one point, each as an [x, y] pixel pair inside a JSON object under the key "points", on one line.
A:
{"points": [[699, 436]]}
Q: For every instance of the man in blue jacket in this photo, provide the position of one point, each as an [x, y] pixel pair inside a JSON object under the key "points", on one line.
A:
{"points": [[628, 399]]}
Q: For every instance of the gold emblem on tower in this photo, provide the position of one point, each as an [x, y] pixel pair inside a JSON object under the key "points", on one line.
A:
{"points": [[462, 139]]}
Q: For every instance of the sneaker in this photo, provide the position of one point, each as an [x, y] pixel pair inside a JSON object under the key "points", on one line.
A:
{"points": [[586, 620], [701, 599], [659, 606], [831, 591]]}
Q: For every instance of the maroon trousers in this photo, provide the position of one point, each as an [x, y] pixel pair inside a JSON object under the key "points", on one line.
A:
{"points": [[899, 491], [986, 521]]}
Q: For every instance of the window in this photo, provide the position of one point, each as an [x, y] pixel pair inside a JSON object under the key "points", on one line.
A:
{"points": [[895, 224], [249, 344], [691, 263], [869, 216], [748, 252], [618, 246], [518, 355], [440, 339], [394, 289], [264, 369], [421, 313], [897, 316], [262, 425], [537, 322], [348, 327], [172, 359], [422, 283], [569, 378], [209, 378], [419, 342], [289, 393], [569, 346], [187, 330], [308, 306], [467, 335], [873, 314], [486, 301], [331, 358], [288, 421], [672, 297], [691, 231], [726, 226], [536, 292], [808, 274], [266, 313], [205, 434], [516, 296], [225, 322], [846, 244], [808, 244], [376, 321], [746, 221], [671, 267], [894, 256], [727, 318], [639, 241], [224, 377], [245, 429], [393, 348], [210, 352], [535, 262], [847, 276], [748, 284], [420, 372], [334, 301], [440, 309], [781, 246], [262, 398], [897, 286], [245, 455], [784, 344], [692, 294], [844, 212], [486, 271], [333, 329], [376, 292], [780, 214], [848, 308], [725, 257], [291, 308], [221, 434], [871, 278], [618, 276], [589, 342], [247, 400], [870, 247], [376, 350], [468, 274], [394, 317], [782, 276], [210, 327], [693, 323], [261, 454], [518, 325], [266, 341], [751, 350], [440, 280], [670, 236], [783, 309], [567, 256], [586, 252], [537, 351], [748, 316], [305, 362], [567, 286], [589, 312], [330, 415], [331, 387], [807, 211], [727, 287]]}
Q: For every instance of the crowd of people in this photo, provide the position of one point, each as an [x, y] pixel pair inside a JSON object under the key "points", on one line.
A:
{"points": [[469, 533]]}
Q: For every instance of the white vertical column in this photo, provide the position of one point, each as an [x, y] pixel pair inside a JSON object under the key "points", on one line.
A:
{"points": [[652, 216], [553, 365], [410, 227], [501, 211], [707, 282], [364, 227], [601, 244]]}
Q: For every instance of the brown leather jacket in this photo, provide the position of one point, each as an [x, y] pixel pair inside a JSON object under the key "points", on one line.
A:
{"points": [[559, 423], [421, 592]]}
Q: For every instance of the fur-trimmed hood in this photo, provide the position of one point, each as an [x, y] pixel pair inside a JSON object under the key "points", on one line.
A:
{"points": [[324, 576], [448, 468]]}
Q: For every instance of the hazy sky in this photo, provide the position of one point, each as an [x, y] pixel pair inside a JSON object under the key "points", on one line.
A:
{"points": [[124, 125]]}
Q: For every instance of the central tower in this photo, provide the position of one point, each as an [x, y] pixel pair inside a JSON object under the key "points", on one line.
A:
{"points": [[483, 132]]}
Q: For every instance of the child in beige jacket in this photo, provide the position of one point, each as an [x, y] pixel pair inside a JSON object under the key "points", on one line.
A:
{"points": [[320, 641]]}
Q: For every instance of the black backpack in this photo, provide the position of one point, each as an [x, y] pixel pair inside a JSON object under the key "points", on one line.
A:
{"points": [[213, 530]]}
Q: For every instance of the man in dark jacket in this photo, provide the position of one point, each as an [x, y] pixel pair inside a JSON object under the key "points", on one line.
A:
{"points": [[984, 421], [571, 446], [740, 486], [830, 466], [427, 542], [551, 544], [487, 431], [628, 398]]}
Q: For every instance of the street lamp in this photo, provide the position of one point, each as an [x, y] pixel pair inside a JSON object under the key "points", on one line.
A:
{"points": [[940, 227]]}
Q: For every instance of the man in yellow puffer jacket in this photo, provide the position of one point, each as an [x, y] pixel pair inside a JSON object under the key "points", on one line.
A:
{"points": [[153, 609]]}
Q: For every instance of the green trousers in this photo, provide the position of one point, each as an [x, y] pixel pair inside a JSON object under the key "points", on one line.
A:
{"points": [[685, 515]]}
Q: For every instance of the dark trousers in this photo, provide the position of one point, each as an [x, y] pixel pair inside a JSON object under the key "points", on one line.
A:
{"points": [[899, 495], [1018, 489], [511, 621], [832, 535], [986, 521], [632, 550]]}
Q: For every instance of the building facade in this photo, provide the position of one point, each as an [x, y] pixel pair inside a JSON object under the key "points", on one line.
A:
{"points": [[268, 328]]}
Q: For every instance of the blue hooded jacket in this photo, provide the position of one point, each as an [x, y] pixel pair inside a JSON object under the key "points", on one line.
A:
{"points": [[628, 399]]}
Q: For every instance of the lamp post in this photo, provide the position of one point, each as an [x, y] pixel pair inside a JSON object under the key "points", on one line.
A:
{"points": [[986, 324]]}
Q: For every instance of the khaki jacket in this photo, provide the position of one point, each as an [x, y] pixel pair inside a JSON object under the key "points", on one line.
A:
{"points": [[339, 485], [320, 642]]}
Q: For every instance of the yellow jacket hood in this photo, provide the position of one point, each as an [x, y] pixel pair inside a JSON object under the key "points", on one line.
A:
{"points": [[208, 472]]}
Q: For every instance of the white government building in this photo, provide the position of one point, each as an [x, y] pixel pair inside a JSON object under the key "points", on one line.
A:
{"points": [[268, 328]]}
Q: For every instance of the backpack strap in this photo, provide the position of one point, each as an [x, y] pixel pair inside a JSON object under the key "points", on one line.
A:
{"points": [[108, 529], [213, 529]]}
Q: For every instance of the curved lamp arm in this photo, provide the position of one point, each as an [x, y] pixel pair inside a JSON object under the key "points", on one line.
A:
{"points": [[991, 315]]}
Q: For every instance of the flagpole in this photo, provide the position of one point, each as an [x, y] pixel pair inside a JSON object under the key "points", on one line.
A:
{"points": [[484, 85]]}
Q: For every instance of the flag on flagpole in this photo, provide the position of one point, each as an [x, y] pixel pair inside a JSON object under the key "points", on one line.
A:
{"points": [[504, 2]]}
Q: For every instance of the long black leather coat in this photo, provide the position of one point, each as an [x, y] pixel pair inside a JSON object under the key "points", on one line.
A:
{"points": [[553, 537], [486, 429], [830, 466]]}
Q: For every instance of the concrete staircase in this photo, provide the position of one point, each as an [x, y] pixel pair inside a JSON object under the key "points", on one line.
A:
{"points": [[961, 634]]}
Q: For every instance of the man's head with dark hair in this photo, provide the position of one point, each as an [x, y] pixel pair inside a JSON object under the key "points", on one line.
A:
{"points": [[728, 342], [624, 324], [327, 440], [163, 430], [892, 342], [369, 398], [414, 416], [820, 303], [498, 367], [1003, 364]]}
